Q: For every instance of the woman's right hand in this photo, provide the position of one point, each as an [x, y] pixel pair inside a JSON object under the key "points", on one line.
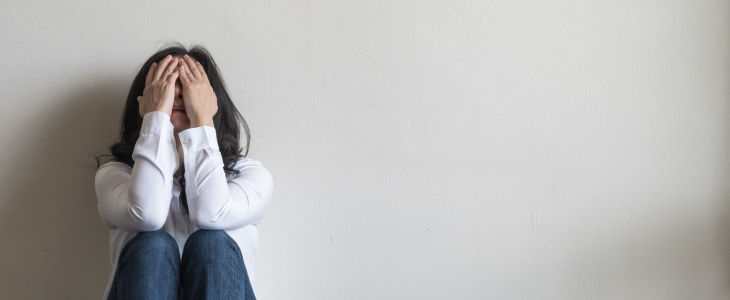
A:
{"points": [[159, 91]]}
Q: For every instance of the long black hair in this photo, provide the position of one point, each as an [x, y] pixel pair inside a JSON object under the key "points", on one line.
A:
{"points": [[227, 120]]}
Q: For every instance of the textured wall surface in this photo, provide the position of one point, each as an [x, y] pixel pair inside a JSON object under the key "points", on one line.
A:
{"points": [[420, 149]]}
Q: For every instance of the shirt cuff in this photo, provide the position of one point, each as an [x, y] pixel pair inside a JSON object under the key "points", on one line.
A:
{"points": [[198, 138], [156, 122]]}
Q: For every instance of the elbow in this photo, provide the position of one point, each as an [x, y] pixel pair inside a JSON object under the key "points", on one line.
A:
{"points": [[149, 225], [211, 218], [146, 219], [205, 222], [207, 225]]}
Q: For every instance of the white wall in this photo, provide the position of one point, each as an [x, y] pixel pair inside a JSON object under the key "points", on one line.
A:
{"points": [[420, 149]]}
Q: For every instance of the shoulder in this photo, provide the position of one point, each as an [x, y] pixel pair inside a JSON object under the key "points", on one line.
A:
{"points": [[114, 164], [252, 172], [249, 165], [112, 167], [245, 163]]}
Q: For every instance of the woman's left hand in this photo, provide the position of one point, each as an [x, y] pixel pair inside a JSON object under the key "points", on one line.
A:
{"points": [[200, 101]]}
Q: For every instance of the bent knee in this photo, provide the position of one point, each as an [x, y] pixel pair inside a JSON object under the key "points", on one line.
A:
{"points": [[203, 236], [211, 249], [156, 241], [206, 238]]}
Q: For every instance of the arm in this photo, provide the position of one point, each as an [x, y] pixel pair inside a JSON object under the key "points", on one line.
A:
{"points": [[139, 200], [214, 202]]}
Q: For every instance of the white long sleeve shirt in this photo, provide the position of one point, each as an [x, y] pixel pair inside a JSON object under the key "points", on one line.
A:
{"points": [[146, 197]]}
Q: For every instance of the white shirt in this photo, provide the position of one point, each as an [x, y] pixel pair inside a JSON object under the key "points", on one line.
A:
{"points": [[146, 197]]}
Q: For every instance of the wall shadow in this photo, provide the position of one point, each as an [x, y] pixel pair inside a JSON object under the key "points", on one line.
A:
{"points": [[53, 240]]}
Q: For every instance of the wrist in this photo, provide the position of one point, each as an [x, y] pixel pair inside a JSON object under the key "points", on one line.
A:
{"points": [[201, 121], [168, 113]]}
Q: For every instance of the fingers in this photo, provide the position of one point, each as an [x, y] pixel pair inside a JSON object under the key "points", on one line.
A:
{"points": [[148, 80], [202, 71], [161, 67], [170, 85], [171, 68], [190, 64], [172, 78], [184, 74]]}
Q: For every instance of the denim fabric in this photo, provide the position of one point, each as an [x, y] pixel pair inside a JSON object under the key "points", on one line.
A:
{"points": [[148, 268], [212, 267]]}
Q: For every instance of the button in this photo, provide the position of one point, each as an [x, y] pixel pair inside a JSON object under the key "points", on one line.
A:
{"points": [[186, 142]]}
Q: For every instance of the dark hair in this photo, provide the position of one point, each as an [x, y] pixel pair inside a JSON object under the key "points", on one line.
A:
{"points": [[226, 120]]}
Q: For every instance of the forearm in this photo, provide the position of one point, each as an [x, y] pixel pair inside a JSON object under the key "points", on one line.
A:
{"points": [[150, 184], [212, 204], [232, 204], [206, 188]]}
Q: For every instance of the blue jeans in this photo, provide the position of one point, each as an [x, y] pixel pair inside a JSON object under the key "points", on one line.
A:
{"points": [[212, 267]]}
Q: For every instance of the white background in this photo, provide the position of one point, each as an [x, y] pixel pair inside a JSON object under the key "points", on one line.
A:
{"points": [[420, 149]]}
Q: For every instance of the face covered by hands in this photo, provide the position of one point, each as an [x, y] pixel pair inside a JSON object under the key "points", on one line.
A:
{"points": [[159, 91], [201, 103]]}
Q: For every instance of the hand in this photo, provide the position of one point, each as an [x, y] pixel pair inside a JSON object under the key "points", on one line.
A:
{"points": [[159, 91], [201, 104]]}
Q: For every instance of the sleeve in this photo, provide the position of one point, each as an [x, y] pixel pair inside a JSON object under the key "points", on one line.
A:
{"points": [[139, 200], [214, 201]]}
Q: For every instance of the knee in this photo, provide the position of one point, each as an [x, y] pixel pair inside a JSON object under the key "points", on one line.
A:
{"points": [[203, 242], [155, 241], [207, 237]]}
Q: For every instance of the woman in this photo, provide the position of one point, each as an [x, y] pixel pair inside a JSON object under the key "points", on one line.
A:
{"points": [[181, 200]]}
